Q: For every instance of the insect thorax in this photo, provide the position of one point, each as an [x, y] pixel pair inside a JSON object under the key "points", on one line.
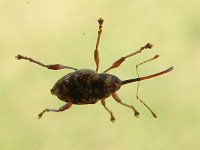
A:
{"points": [[85, 86]]}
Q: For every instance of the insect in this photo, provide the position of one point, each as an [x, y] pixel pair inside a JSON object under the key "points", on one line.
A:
{"points": [[85, 86]]}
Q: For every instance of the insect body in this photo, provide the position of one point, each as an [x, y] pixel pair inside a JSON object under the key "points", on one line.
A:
{"points": [[84, 86]]}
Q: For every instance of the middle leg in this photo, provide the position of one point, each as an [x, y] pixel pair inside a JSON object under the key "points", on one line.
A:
{"points": [[96, 52], [110, 112]]}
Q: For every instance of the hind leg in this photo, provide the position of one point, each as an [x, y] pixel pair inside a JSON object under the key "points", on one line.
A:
{"points": [[52, 67], [64, 107]]}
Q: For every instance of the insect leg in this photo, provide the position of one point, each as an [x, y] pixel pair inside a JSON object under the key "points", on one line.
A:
{"points": [[64, 107], [122, 59], [116, 97], [137, 95], [96, 52], [110, 112], [52, 67]]}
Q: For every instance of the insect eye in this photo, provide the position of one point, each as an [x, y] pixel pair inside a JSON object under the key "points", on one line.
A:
{"points": [[117, 81]]}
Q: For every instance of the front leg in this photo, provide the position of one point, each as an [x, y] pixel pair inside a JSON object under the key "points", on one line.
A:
{"points": [[116, 97], [122, 59]]}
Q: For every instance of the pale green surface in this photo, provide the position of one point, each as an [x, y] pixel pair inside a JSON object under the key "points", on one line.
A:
{"points": [[52, 32]]}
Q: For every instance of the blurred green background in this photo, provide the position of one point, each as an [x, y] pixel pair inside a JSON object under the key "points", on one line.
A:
{"points": [[65, 31]]}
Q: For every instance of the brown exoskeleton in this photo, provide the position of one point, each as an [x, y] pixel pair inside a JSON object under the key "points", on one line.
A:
{"points": [[85, 86]]}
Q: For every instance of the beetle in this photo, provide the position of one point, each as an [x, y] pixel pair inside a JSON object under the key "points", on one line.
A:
{"points": [[85, 86]]}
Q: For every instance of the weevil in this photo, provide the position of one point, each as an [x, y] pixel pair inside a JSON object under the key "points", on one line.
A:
{"points": [[85, 86]]}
